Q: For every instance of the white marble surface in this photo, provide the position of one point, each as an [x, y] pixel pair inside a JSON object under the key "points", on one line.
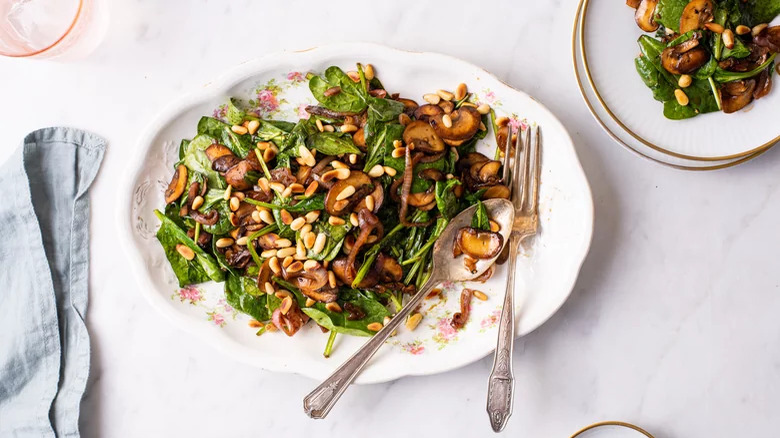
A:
{"points": [[673, 324]]}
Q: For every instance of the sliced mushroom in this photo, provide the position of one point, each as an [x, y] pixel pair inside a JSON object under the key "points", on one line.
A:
{"points": [[422, 198], [644, 15], [696, 14], [763, 84], [769, 38], [466, 161], [355, 312], [427, 111], [446, 106], [633, 3], [283, 175], [485, 172], [177, 185], [388, 269], [357, 180], [236, 176], [479, 244], [465, 123], [346, 274], [313, 283], [684, 58], [359, 138], [409, 106], [264, 275], [267, 241], [224, 163], [736, 95], [217, 150], [378, 195], [497, 191], [419, 132]]}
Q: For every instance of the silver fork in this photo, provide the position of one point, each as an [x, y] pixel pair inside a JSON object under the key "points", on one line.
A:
{"points": [[523, 182]]}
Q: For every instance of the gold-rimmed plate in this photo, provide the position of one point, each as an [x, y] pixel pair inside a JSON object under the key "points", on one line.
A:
{"points": [[607, 46], [617, 133]]}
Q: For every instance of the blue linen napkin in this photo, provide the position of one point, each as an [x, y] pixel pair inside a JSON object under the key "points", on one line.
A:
{"points": [[44, 256]]}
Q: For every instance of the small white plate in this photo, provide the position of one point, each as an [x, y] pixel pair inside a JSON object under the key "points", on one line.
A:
{"points": [[609, 38], [546, 272]]}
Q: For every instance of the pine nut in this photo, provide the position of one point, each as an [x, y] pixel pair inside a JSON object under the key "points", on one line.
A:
{"points": [[368, 72], [228, 191], [353, 158], [312, 216], [483, 109], [353, 219], [757, 29], [369, 203], [345, 193], [398, 152], [682, 98], [480, 295], [287, 261], [375, 326], [336, 174], [233, 219], [311, 264], [296, 188], [348, 128], [263, 145], [355, 76], [413, 321], [310, 302], [242, 241], [319, 243], [336, 164], [269, 288], [282, 243], [389, 170], [300, 250], [445, 95], [329, 128], [371, 239], [332, 279], [494, 226], [238, 129], [267, 217], [728, 38], [286, 305], [268, 253], [255, 324], [742, 30], [234, 203], [482, 127], [684, 81], [273, 263], [433, 99], [311, 189], [308, 240], [715, 27], [224, 242], [185, 251], [286, 217], [295, 266], [376, 171], [252, 126], [336, 221], [286, 193], [446, 120], [398, 144], [404, 119], [277, 187], [264, 185], [306, 228], [240, 196], [306, 155], [318, 122], [460, 91], [269, 154], [286, 252], [297, 223], [197, 202], [333, 307], [468, 104]]}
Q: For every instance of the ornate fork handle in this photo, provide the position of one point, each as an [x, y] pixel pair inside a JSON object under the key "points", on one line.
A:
{"points": [[502, 380], [320, 401]]}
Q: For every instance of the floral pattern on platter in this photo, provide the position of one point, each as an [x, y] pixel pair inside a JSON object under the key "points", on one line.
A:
{"points": [[435, 332]]}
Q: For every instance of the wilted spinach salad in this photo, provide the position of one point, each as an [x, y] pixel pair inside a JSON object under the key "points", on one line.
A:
{"points": [[707, 55], [332, 218]]}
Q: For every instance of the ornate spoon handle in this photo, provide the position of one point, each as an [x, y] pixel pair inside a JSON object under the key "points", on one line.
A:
{"points": [[501, 382], [320, 401]]}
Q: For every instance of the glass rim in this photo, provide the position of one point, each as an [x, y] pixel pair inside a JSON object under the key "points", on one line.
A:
{"points": [[55, 43]]}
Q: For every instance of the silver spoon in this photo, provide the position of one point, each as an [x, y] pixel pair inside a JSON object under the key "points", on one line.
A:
{"points": [[320, 401]]}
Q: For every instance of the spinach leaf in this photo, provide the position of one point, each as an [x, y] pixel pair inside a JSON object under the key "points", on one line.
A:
{"points": [[348, 100], [728, 76], [763, 11], [243, 294], [661, 88], [446, 201], [315, 202], [707, 69], [379, 144], [202, 268], [384, 110], [183, 148], [331, 143], [223, 224], [701, 100], [480, 221], [335, 239], [196, 160], [234, 115], [738, 51], [239, 144], [269, 131], [669, 12], [338, 322]]}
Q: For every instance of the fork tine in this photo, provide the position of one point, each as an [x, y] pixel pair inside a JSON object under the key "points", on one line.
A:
{"points": [[517, 171], [533, 206], [521, 185], [507, 175]]}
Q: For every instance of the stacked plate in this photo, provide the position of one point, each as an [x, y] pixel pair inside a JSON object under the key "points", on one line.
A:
{"points": [[604, 45]]}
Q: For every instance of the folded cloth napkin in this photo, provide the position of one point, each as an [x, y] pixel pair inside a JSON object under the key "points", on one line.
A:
{"points": [[44, 223]]}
